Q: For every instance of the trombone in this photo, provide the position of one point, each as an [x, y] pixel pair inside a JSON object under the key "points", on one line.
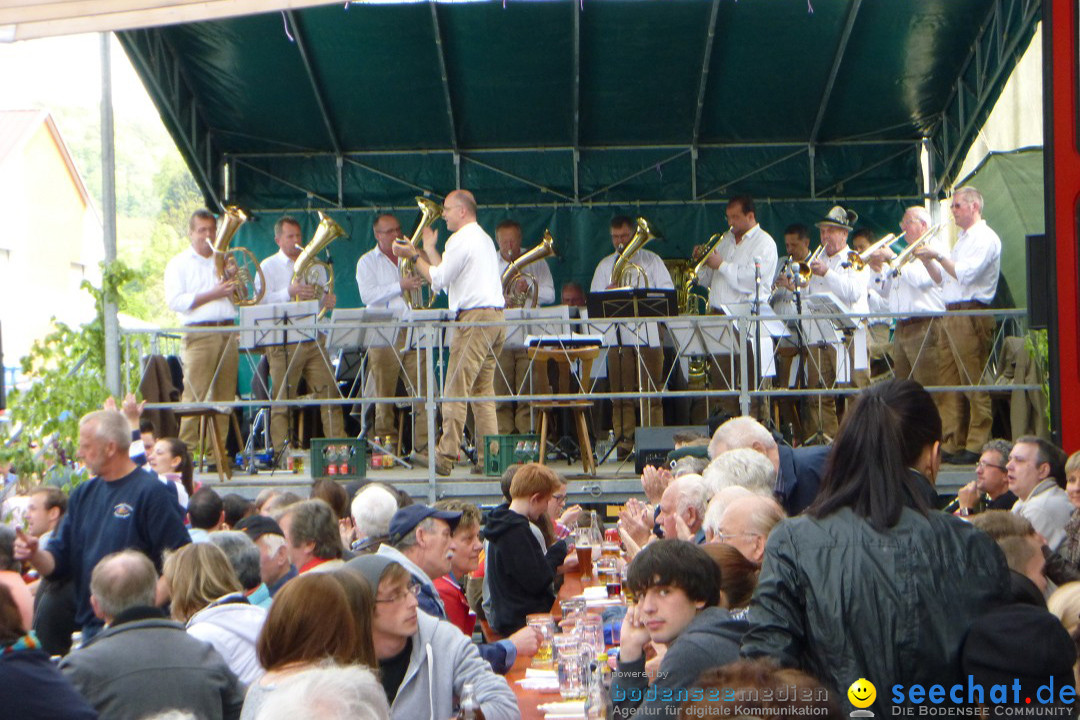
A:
{"points": [[859, 260], [799, 271], [900, 261]]}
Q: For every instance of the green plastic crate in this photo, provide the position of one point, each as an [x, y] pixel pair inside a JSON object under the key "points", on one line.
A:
{"points": [[321, 460], [502, 452]]}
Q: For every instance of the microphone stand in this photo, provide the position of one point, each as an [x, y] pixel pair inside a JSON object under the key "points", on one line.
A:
{"points": [[755, 315]]}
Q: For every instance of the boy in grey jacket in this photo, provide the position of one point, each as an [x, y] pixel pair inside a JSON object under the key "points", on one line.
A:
{"points": [[424, 662]]}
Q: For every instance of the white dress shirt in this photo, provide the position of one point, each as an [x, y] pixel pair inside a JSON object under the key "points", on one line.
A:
{"points": [[469, 271], [912, 291], [187, 275], [379, 282], [733, 283], [278, 271], [977, 257], [545, 284], [846, 283], [650, 262]]}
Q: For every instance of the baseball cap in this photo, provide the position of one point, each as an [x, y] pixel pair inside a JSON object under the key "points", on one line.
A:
{"points": [[406, 519]]}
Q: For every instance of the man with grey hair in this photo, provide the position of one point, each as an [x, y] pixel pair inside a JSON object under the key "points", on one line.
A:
{"points": [[122, 507], [143, 663], [328, 693], [275, 563], [741, 466], [682, 508], [312, 536], [915, 291], [244, 557], [371, 510], [798, 470], [746, 523], [969, 279]]}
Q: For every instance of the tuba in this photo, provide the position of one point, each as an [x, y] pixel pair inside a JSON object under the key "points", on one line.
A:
{"points": [[308, 269], [237, 264], [527, 298], [429, 213], [622, 273]]}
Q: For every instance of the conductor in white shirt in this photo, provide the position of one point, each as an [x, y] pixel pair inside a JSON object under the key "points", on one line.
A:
{"points": [[623, 367], [194, 291], [469, 273], [969, 281], [294, 360], [382, 287], [514, 375], [737, 272]]}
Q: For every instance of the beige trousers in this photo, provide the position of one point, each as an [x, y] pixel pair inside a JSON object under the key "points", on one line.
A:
{"points": [[305, 360], [821, 373], [386, 365], [623, 365], [470, 371], [965, 348], [210, 362], [513, 376]]}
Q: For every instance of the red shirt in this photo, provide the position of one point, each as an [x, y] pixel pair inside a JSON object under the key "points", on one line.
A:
{"points": [[457, 608]]}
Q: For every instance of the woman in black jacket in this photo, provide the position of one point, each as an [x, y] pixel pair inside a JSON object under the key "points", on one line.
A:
{"points": [[871, 581]]}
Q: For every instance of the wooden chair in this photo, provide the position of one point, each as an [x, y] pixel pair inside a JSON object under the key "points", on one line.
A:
{"points": [[217, 444], [565, 357]]}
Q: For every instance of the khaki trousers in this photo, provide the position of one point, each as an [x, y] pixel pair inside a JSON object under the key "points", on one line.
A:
{"points": [[965, 348], [386, 365], [514, 377], [201, 354], [821, 373], [305, 360], [623, 364], [470, 371]]}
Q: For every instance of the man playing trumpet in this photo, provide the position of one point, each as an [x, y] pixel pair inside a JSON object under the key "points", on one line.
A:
{"points": [[291, 361]]}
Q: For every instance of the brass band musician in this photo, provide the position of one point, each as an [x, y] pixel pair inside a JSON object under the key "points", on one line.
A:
{"points": [[623, 366], [512, 376], [292, 361]]}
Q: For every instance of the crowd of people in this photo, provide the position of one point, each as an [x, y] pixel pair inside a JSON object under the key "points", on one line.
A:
{"points": [[758, 566], [940, 333]]}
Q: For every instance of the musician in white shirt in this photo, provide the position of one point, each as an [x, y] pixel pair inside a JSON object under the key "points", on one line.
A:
{"points": [[969, 281], [382, 287], [878, 327], [194, 291], [849, 286], [513, 376], [469, 273], [736, 273], [623, 368], [295, 360], [782, 299]]}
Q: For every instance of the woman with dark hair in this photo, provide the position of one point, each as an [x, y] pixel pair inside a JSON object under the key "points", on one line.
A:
{"points": [[31, 686], [872, 582], [311, 622], [171, 460], [362, 600]]}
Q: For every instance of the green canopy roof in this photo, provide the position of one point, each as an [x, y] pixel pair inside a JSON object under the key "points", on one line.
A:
{"points": [[583, 103]]}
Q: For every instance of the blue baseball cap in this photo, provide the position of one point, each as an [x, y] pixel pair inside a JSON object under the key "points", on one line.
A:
{"points": [[407, 518]]}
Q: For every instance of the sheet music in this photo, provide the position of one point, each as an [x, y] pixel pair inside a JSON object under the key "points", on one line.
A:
{"points": [[278, 323]]}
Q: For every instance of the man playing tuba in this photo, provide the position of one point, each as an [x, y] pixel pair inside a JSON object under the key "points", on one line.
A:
{"points": [[194, 291], [512, 376], [291, 361], [622, 363]]}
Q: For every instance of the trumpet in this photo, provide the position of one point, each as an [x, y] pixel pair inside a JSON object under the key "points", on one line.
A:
{"points": [[859, 260], [800, 270], [908, 253]]}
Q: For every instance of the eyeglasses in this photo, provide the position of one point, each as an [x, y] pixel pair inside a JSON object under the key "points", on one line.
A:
{"points": [[724, 537], [412, 589], [982, 464], [559, 498]]}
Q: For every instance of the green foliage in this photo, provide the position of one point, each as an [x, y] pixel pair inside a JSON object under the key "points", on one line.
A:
{"points": [[67, 371]]}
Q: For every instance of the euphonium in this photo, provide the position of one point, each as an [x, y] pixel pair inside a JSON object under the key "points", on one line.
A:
{"points": [[858, 260], [308, 269], [429, 213], [621, 272], [908, 253], [516, 270], [237, 264], [691, 278]]}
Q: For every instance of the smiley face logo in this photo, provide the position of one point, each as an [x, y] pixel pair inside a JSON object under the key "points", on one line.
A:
{"points": [[862, 693]]}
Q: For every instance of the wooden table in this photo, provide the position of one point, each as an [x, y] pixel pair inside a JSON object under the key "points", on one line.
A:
{"points": [[530, 700]]}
